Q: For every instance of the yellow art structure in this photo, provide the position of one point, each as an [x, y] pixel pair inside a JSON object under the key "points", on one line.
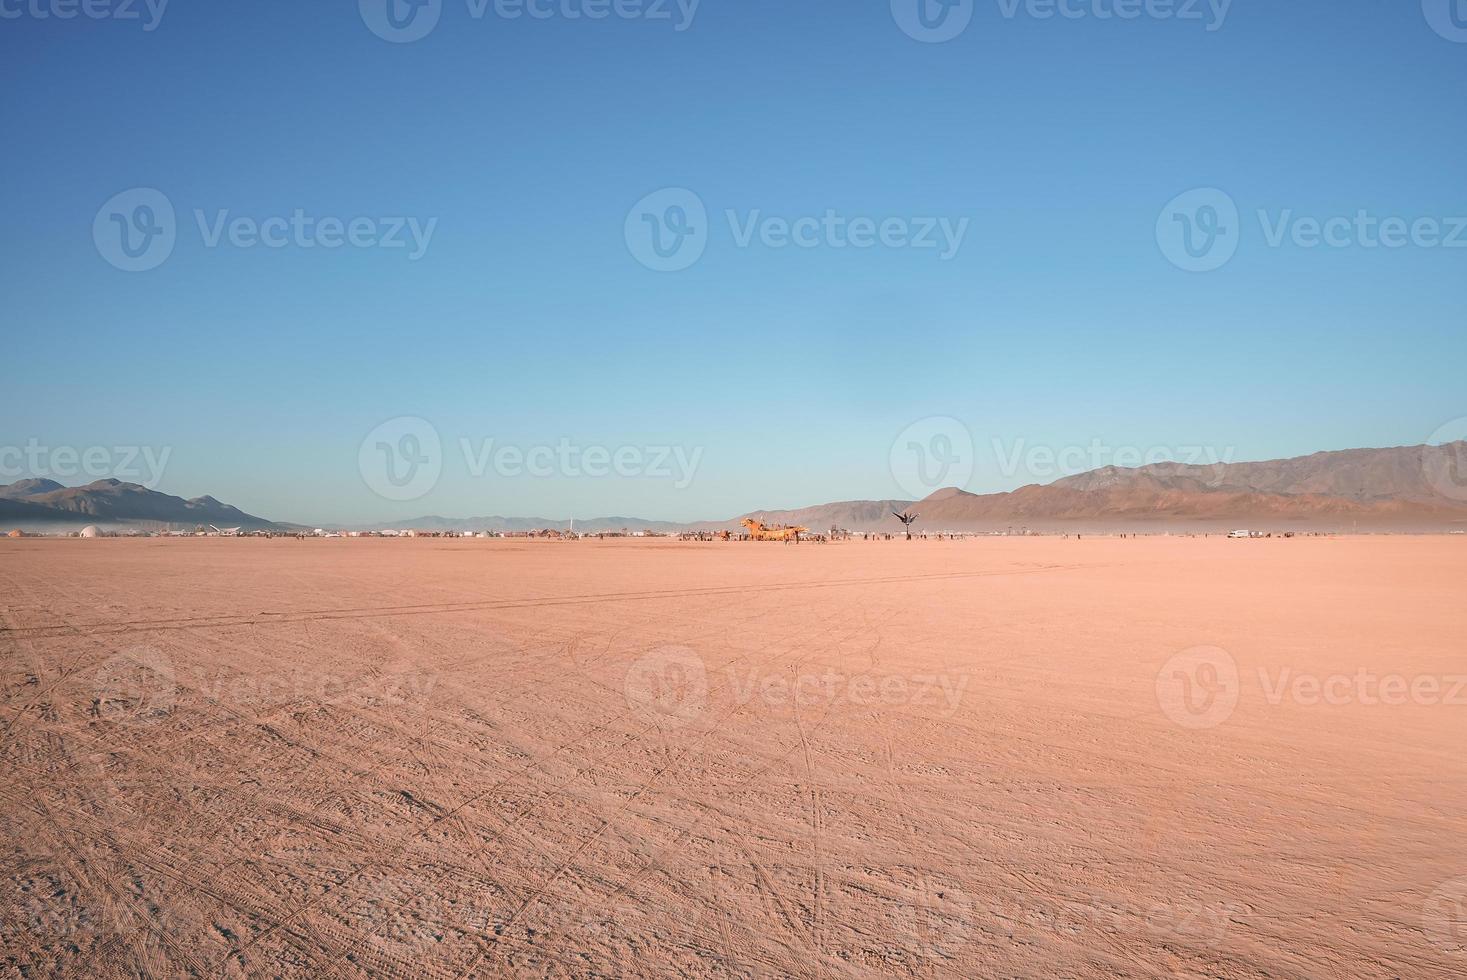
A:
{"points": [[760, 531]]}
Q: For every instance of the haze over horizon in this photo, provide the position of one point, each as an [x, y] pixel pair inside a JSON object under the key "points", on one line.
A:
{"points": [[1049, 314]]}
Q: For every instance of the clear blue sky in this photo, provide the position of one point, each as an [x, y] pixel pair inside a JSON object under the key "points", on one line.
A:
{"points": [[529, 320]]}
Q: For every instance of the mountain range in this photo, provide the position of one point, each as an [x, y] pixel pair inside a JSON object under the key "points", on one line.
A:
{"points": [[1404, 488], [36, 503]]}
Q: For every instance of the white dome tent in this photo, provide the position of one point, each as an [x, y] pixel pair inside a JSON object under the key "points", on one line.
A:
{"points": [[90, 531]]}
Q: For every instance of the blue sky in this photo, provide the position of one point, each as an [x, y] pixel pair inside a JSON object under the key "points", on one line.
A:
{"points": [[791, 374]]}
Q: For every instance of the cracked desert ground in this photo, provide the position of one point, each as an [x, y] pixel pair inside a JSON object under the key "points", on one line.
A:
{"points": [[1005, 757]]}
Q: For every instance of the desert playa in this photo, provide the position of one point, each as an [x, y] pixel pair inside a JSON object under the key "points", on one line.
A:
{"points": [[1017, 757]]}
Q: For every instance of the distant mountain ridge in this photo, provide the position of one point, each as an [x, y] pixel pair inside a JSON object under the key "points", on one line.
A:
{"points": [[1408, 473], [1401, 488], [1409, 487], [114, 502]]}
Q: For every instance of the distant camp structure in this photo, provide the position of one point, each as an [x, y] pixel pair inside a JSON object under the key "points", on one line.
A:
{"points": [[91, 531], [759, 531]]}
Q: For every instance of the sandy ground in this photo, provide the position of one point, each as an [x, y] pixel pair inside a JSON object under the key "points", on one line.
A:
{"points": [[1004, 757]]}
